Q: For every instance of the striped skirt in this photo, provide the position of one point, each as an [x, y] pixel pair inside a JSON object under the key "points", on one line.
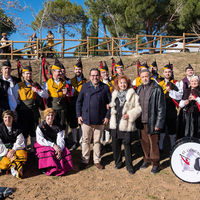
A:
{"points": [[47, 160]]}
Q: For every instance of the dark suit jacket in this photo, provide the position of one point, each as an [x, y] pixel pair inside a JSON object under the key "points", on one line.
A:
{"points": [[91, 103]]}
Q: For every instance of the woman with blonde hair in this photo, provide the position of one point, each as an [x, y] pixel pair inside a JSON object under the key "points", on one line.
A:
{"points": [[125, 109], [53, 156]]}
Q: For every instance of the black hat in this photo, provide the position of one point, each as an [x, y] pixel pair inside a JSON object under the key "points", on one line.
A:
{"points": [[6, 63], [120, 63], [154, 64], [79, 63], [168, 66], [104, 67], [59, 64], [188, 67]]}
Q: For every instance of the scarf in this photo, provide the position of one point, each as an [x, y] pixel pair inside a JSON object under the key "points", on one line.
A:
{"points": [[122, 97]]}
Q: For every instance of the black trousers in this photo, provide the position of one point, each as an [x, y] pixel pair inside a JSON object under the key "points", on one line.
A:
{"points": [[117, 152]]}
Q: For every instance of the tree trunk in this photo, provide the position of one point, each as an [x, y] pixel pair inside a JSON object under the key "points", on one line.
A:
{"points": [[63, 40]]}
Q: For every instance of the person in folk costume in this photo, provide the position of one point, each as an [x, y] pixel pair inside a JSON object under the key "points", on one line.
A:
{"points": [[57, 91], [172, 95], [105, 79], [137, 82], [154, 72], [119, 68], [53, 156], [6, 76], [77, 82], [189, 123], [185, 82], [125, 109], [12, 153], [27, 109]]}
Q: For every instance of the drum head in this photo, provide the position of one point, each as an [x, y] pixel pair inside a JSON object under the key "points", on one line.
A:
{"points": [[185, 160]]}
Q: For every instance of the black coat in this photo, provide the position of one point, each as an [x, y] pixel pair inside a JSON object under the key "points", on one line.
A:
{"points": [[92, 103], [156, 108]]}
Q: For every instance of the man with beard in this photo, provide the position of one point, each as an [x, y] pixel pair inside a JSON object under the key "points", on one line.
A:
{"points": [[77, 82], [27, 109], [110, 83], [172, 95]]}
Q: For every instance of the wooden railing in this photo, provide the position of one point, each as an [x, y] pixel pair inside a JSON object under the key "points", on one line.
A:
{"points": [[104, 46]]}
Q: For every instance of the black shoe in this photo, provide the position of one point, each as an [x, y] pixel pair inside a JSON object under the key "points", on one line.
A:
{"points": [[108, 147], [144, 165], [83, 166], [131, 171], [120, 165], [155, 169]]}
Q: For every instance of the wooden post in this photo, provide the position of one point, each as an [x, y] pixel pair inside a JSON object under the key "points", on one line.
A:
{"points": [[37, 49], [63, 44], [183, 42], [88, 46], [137, 44], [161, 44], [11, 50], [112, 39]]}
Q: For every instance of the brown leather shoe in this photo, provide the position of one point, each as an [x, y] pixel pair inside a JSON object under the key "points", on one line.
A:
{"points": [[99, 166]]}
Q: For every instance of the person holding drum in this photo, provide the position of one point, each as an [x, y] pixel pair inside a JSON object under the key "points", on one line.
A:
{"points": [[189, 121]]}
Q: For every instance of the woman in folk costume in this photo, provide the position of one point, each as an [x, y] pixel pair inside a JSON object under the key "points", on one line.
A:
{"points": [[53, 156], [12, 155], [125, 109], [190, 110]]}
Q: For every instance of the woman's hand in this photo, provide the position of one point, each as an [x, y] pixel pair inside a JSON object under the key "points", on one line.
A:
{"points": [[10, 154], [191, 97], [58, 156], [56, 148], [125, 116]]}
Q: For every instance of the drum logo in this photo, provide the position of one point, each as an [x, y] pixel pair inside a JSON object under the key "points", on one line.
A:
{"points": [[190, 160]]}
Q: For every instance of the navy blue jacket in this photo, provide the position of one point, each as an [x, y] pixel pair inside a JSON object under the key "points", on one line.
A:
{"points": [[91, 103]]}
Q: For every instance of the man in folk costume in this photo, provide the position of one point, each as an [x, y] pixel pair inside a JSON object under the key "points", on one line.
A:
{"points": [[119, 68], [137, 82], [172, 95], [57, 91], [185, 82], [12, 80], [77, 82], [27, 109], [110, 83], [154, 72]]}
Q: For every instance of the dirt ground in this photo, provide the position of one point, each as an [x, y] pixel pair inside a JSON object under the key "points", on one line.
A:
{"points": [[108, 184]]}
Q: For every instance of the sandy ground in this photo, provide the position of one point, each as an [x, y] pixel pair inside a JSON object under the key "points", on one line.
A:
{"points": [[93, 184]]}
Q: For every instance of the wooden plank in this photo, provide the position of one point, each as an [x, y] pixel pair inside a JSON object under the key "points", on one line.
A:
{"points": [[75, 46], [99, 44], [28, 47], [142, 44]]}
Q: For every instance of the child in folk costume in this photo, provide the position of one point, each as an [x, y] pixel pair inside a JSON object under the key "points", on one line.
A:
{"points": [[12, 153], [53, 156]]}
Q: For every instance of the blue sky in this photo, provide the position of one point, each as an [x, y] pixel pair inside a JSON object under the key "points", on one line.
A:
{"points": [[27, 18]]}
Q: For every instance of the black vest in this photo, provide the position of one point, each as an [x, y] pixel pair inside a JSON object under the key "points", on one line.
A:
{"points": [[50, 133]]}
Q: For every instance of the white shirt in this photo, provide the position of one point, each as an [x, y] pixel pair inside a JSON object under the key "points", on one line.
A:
{"points": [[43, 142], [19, 144]]}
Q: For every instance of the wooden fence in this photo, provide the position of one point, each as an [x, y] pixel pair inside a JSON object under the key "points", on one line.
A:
{"points": [[104, 46]]}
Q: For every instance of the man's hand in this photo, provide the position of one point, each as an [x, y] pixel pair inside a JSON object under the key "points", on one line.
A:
{"points": [[125, 116], [168, 88], [156, 129], [80, 120], [11, 153], [191, 97], [105, 121], [34, 89]]}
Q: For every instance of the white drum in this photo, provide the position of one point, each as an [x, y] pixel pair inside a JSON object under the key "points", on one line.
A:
{"points": [[185, 160]]}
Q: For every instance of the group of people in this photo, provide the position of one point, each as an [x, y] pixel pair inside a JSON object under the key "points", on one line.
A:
{"points": [[151, 105]]}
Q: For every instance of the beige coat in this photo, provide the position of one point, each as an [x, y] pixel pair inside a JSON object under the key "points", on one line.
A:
{"points": [[131, 107]]}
